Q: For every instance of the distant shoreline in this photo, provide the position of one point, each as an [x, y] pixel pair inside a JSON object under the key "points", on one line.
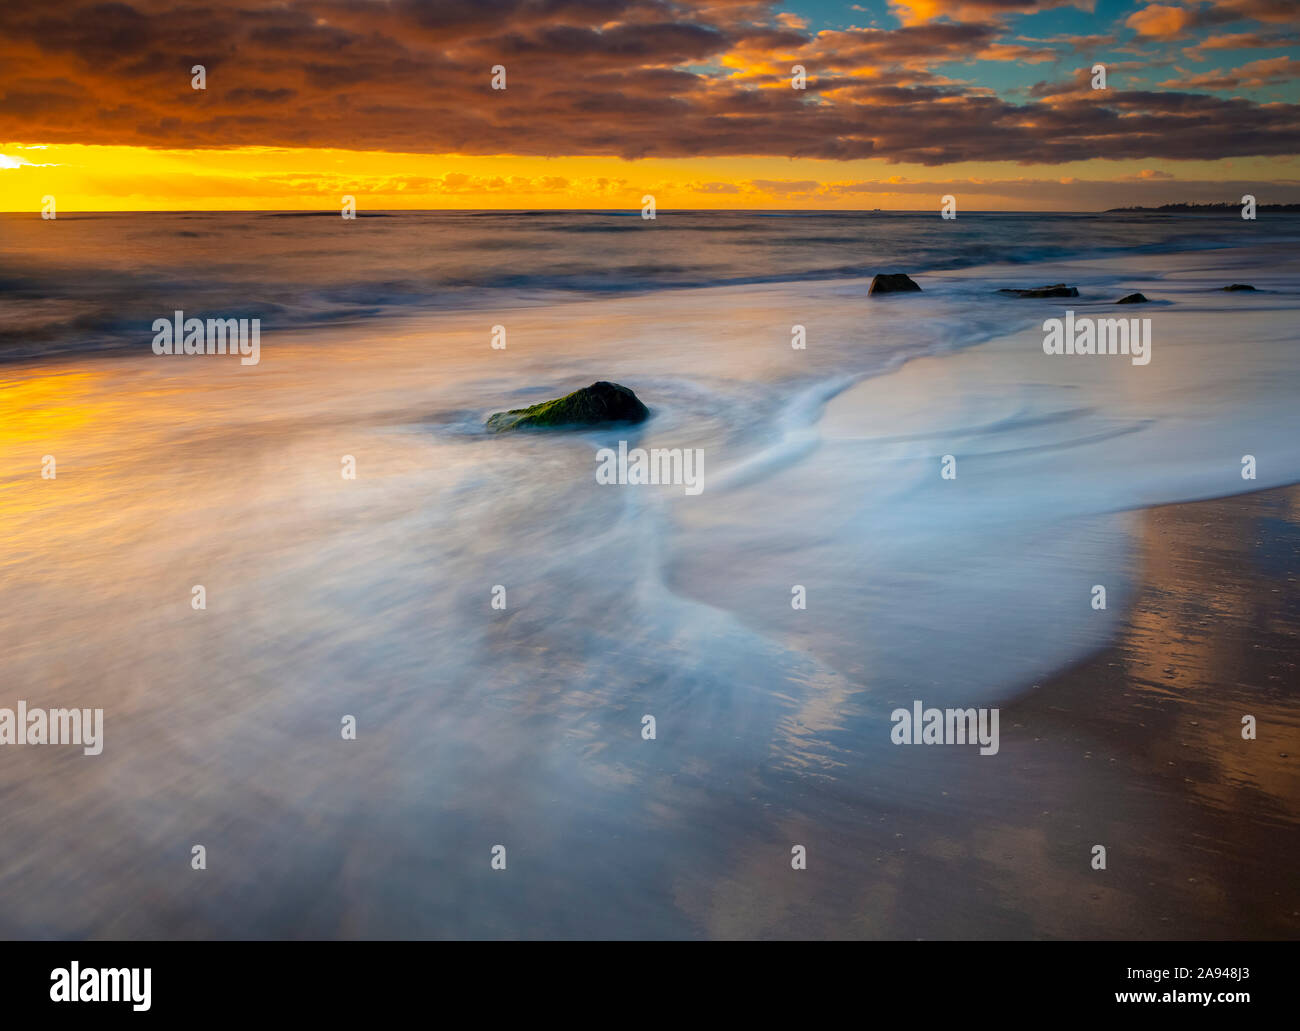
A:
{"points": [[1208, 209]]}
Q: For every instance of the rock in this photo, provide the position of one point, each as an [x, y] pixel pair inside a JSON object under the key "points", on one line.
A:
{"points": [[599, 403], [892, 283], [1133, 299], [1239, 286], [1056, 290]]}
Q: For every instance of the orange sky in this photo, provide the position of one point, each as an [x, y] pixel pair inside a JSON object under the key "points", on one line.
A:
{"points": [[108, 178], [691, 101]]}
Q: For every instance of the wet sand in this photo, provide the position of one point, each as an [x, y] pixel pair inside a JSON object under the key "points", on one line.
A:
{"points": [[1137, 748], [370, 597], [1144, 741]]}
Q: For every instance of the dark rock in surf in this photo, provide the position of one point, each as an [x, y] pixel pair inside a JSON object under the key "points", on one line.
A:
{"points": [[892, 283], [1055, 290], [599, 403], [1238, 286], [1133, 299]]}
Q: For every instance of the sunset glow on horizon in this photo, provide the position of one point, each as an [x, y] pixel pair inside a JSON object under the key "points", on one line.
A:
{"points": [[112, 178], [694, 103]]}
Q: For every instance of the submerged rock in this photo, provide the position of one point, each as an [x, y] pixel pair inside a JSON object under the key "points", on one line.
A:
{"points": [[1239, 286], [1055, 290], [1133, 299], [893, 283], [599, 403]]}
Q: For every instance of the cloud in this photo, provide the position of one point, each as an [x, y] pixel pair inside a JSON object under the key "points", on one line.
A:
{"points": [[1247, 41], [1165, 22], [784, 187], [916, 12], [1242, 41], [1283, 11], [6, 161], [616, 78], [1160, 21], [1271, 71], [1148, 187]]}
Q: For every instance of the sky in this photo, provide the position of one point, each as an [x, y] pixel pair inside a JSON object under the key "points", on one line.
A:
{"points": [[606, 101]]}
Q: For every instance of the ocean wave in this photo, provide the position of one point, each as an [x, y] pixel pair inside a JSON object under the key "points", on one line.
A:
{"points": [[116, 273]]}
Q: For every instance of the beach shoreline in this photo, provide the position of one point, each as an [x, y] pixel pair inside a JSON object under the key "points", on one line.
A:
{"points": [[1201, 826], [371, 597], [1136, 746]]}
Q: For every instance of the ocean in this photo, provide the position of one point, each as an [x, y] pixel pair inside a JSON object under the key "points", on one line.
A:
{"points": [[97, 280], [328, 597]]}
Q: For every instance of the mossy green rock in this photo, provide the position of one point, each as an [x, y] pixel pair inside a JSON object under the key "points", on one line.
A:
{"points": [[599, 403]]}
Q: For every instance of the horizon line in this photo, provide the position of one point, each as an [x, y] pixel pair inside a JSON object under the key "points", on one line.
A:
{"points": [[632, 210]]}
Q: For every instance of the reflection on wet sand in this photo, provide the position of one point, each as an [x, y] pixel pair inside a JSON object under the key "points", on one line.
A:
{"points": [[1139, 748], [370, 597]]}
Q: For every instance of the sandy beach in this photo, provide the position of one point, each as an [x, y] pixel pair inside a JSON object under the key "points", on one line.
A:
{"points": [[329, 597], [649, 470], [1137, 747], [1206, 822]]}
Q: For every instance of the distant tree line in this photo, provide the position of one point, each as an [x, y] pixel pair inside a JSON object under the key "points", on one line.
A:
{"points": [[1208, 208]]}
